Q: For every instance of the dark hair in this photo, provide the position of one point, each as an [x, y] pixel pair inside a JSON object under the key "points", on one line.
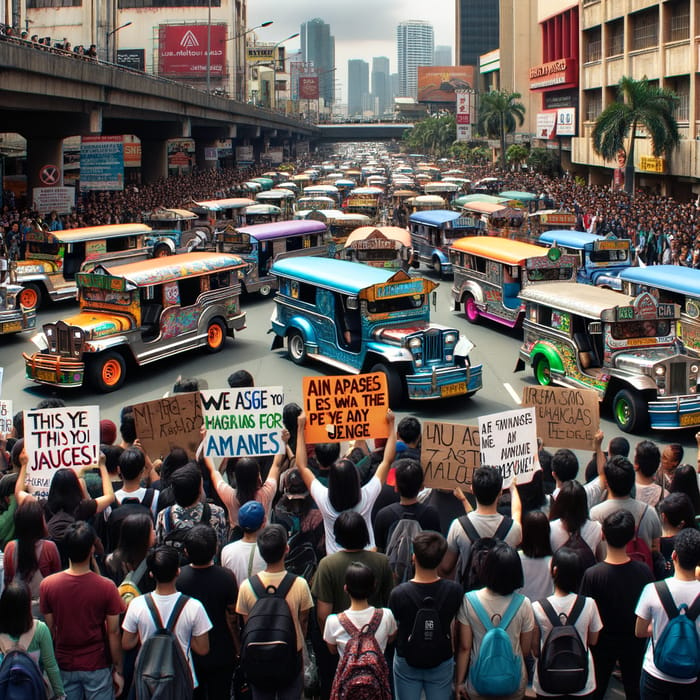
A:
{"points": [[18, 424], [15, 609], [132, 462], [409, 477], [127, 427], [487, 483], [52, 402], [65, 493], [187, 484], [408, 430], [503, 570], [272, 543], [618, 446], [685, 480], [290, 413], [350, 530], [687, 547], [112, 454], [78, 541], [326, 453], [564, 465], [647, 457], [532, 495], [536, 544], [200, 543], [678, 509], [618, 528], [188, 384], [571, 506], [240, 378], [619, 474], [567, 569], [163, 562], [429, 548], [545, 457], [677, 450], [29, 529], [176, 458], [359, 581], [7, 490], [247, 470], [134, 539], [344, 490]]}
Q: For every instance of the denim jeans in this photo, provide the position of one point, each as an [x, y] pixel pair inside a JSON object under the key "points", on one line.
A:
{"points": [[293, 691], [655, 689], [88, 685], [411, 682]]}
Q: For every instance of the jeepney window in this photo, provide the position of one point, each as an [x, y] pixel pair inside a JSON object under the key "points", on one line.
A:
{"points": [[649, 328], [114, 245], [219, 280], [478, 264], [549, 274], [544, 315], [560, 320], [305, 292], [612, 255], [384, 306], [189, 288]]}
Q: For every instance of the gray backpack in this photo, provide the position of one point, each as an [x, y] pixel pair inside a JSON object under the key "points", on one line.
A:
{"points": [[399, 548]]}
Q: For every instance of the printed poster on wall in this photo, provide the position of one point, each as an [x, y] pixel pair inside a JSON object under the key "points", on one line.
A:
{"points": [[101, 163], [463, 116]]}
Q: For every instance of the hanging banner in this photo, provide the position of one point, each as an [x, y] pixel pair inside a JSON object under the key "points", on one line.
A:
{"points": [[101, 163], [463, 116], [308, 87], [182, 50]]}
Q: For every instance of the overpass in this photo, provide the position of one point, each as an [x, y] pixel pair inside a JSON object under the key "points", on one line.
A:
{"points": [[365, 131], [46, 96]]}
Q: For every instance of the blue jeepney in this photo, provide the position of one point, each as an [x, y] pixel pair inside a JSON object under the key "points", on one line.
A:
{"points": [[601, 258], [359, 318]]}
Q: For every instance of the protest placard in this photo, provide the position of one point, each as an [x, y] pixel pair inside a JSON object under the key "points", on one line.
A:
{"points": [[564, 417], [5, 416], [170, 422], [59, 437], [345, 407], [450, 452], [243, 422], [509, 443]]}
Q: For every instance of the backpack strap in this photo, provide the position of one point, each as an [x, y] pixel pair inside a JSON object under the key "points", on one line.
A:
{"points": [[206, 513], [135, 575], [479, 609], [574, 613], [576, 610], [667, 599], [175, 614], [694, 609], [511, 610], [168, 520], [347, 625], [469, 529], [550, 612], [373, 625], [641, 517], [251, 558], [503, 528], [148, 498], [155, 615], [282, 590]]}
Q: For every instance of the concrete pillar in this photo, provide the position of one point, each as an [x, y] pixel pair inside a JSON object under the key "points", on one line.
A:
{"points": [[154, 160], [202, 149], [44, 162]]}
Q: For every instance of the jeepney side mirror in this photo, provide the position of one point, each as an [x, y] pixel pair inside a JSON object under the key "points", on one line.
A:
{"points": [[434, 296], [595, 327], [353, 304]]}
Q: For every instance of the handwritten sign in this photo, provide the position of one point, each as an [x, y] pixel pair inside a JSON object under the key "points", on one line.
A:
{"points": [[564, 417], [509, 443], [450, 453], [6, 417], [170, 422], [59, 437], [345, 407], [243, 422]]}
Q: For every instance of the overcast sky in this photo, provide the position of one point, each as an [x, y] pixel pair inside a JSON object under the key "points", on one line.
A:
{"points": [[362, 28]]}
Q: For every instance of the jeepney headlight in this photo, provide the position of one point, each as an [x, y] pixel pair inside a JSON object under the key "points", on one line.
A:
{"points": [[660, 371], [414, 343], [693, 388], [693, 369], [662, 391], [450, 338]]}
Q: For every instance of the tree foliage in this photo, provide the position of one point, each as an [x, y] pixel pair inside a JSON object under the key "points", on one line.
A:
{"points": [[434, 135], [516, 154], [500, 112], [544, 161]]}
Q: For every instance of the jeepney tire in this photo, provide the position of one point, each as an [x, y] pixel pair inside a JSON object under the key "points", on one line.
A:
{"points": [[437, 266], [216, 336], [31, 296], [265, 290], [107, 371], [629, 411], [296, 348], [471, 312], [394, 383], [542, 371]]}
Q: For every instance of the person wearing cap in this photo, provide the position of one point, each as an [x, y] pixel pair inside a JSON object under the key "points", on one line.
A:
{"points": [[108, 432], [242, 557]]}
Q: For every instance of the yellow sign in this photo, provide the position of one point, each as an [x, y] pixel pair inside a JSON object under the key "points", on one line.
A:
{"points": [[650, 164]]}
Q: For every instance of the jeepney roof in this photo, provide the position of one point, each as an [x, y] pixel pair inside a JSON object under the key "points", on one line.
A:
{"points": [[569, 238], [277, 193], [519, 195], [91, 233], [262, 209], [231, 203], [280, 229], [674, 278], [501, 249], [434, 217], [581, 299], [170, 214], [490, 208], [393, 233], [469, 198]]}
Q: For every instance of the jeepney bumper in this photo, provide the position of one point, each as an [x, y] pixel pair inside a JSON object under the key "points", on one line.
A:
{"points": [[675, 412], [442, 383], [17, 320], [54, 369], [236, 323]]}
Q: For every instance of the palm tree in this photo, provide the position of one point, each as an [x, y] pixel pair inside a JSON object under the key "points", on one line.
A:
{"points": [[433, 135], [638, 104], [498, 113]]}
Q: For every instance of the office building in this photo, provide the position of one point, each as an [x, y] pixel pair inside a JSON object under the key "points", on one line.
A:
{"points": [[358, 86], [476, 30], [415, 44], [443, 56], [381, 85], [318, 47]]}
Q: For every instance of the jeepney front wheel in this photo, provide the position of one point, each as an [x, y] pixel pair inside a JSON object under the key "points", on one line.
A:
{"points": [[265, 290], [216, 336], [437, 266], [107, 372], [629, 411], [31, 297], [394, 383], [296, 348], [542, 371], [471, 310]]}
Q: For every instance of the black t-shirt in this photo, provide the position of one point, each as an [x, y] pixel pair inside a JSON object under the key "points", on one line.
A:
{"points": [[448, 599], [215, 587], [616, 589], [427, 517]]}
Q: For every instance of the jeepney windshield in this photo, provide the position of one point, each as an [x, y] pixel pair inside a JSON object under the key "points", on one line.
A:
{"points": [[164, 225], [610, 255], [39, 244], [649, 328], [549, 274], [97, 297], [385, 306], [236, 242]]}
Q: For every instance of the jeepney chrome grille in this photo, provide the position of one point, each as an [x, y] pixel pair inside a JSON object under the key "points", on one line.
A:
{"points": [[432, 347], [63, 344], [678, 379]]}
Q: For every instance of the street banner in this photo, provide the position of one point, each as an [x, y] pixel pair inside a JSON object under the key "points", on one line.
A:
{"points": [[101, 163], [58, 199], [450, 452]]}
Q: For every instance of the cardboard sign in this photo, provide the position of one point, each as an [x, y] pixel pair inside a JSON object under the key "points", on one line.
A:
{"points": [[509, 443], [347, 407], [6, 417], [450, 453], [565, 417], [243, 422], [170, 422], [59, 437]]}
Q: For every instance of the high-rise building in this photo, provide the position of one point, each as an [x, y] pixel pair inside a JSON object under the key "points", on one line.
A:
{"points": [[381, 85], [318, 47], [476, 30], [443, 56], [415, 45], [358, 86]]}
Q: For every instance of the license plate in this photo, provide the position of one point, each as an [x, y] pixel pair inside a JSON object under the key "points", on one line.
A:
{"points": [[690, 419], [12, 326], [453, 389], [45, 375]]}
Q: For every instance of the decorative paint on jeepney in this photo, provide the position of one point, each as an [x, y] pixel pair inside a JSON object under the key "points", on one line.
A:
{"points": [[689, 333], [561, 321], [177, 321], [37, 267], [99, 325]]}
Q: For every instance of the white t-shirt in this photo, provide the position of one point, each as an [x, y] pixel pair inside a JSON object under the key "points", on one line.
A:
{"points": [[193, 621], [594, 492], [591, 533], [237, 558], [537, 577], [334, 632], [139, 494], [369, 494], [649, 607], [588, 622]]}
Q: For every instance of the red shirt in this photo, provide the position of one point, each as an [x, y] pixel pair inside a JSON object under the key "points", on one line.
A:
{"points": [[80, 606]]}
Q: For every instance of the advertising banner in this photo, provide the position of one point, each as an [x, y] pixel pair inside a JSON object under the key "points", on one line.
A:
{"points": [[244, 154], [308, 87], [440, 83], [58, 199], [566, 121], [135, 59], [463, 116], [182, 49], [101, 163]]}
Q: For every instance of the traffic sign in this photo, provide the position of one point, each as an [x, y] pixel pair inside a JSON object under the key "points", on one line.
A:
{"points": [[50, 174]]}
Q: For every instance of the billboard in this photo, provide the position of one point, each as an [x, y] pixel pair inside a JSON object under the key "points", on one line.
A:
{"points": [[463, 116], [101, 163], [182, 50], [438, 83], [308, 87], [135, 59], [261, 54]]}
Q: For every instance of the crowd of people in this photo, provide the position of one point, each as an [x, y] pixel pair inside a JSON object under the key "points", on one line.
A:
{"points": [[45, 44], [330, 571]]}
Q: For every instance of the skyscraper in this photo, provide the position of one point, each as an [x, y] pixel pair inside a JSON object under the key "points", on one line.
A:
{"points": [[477, 30], [415, 46], [381, 85], [318, 47], [443, 56], [358, 86]]}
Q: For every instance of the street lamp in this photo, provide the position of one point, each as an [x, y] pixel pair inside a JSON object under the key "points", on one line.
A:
{"points": [[330, 71], [114, 31], [240, 84], [274, 65]]}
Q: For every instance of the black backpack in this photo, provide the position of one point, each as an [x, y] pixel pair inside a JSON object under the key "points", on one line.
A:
{"points": [[562, 667], [585, 554], [428, 644], [472, 573], [162, 671], [175, 536], [120, 511], [269, 642]]}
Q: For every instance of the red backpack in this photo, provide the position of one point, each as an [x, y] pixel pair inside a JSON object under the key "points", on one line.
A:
{"points": [[362, 673], [637, 548]]}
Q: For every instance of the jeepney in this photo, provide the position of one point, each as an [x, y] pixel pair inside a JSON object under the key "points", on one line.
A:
{"points": [[52, 259], [358, 318], [141, 312], [497, 219], [548, 219], [379, 246], [176, 230], [624, 348], [489, 274], [14, 316], [600, 259], [219, 213]]}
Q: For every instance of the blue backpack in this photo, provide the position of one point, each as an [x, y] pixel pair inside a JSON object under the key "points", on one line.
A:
{"points": [[497, 670], [20, 677], [677, 651]]}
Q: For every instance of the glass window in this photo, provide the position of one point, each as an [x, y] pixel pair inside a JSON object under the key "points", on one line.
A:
{"points": [[592, 45], [616, 37], [645, 29], [652, 328], [189, 288]]}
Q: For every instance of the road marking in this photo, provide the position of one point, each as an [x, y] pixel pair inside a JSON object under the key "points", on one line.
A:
{"points": [[512, 392]]}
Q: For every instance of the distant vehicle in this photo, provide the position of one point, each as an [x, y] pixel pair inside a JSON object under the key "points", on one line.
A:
{"points": [[175, 231], [14, 316], [379, 246]]}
